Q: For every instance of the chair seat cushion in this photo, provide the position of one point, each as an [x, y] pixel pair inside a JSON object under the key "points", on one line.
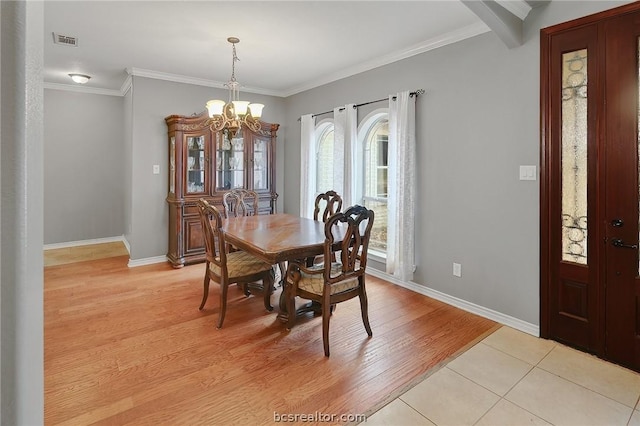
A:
{"points": [[240, 264], [314, 283]]}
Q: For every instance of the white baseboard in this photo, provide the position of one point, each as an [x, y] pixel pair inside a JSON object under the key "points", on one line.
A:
{"points": [[121, 238], [496, 316], [86, 243], [126, 244], [147, 261]]}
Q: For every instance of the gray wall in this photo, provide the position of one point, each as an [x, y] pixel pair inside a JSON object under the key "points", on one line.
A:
{"points": [[21, 207], [127, 160], [84, 171], [153, 100], [478, 121]]}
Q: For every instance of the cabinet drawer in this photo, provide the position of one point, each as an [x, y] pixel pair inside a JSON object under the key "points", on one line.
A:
{"points": [[190, 210]]}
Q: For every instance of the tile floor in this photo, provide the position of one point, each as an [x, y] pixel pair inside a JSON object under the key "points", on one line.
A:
{"points": [[512, 378]]}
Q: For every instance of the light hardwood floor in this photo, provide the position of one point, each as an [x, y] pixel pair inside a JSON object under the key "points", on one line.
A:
{"points": [[129, 346], [66, 255]]}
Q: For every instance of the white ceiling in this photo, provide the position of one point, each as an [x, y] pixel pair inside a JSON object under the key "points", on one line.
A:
{"points": [[285, 46]]}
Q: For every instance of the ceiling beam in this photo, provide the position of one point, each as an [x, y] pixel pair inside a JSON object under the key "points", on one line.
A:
{"points": [[506, 25], [520, 8]]}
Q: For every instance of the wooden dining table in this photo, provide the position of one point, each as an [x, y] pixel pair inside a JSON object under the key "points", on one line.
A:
{"points": [[276, 238]]}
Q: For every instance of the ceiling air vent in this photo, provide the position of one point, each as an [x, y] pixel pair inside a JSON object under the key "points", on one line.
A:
{"points": [[65, 40]]}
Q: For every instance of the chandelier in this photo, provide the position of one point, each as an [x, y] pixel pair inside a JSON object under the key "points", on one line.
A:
{"points": [[233, 114]]}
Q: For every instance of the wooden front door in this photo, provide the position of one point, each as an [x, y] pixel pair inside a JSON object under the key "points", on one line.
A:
{"points": [[590, 286]]}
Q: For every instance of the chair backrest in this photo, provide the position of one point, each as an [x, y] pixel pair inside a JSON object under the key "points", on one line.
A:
{"points": [[240, 202], [354, 227], [330, 201], [214, 241]]}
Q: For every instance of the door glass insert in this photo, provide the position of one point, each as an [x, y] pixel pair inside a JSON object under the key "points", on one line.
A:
{"points": [[574, 156], [195, 164]]}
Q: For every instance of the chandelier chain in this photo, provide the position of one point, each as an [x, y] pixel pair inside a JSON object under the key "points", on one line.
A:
{"points": [[233, 63]]}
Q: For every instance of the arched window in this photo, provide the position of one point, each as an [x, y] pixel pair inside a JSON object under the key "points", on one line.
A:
{"points": [[324, 156], [375, 141]]}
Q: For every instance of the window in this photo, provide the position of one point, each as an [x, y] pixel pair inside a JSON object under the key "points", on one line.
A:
{"points": [[324, 157], [375, 140]]}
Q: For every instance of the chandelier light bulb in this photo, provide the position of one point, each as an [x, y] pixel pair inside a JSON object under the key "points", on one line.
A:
{"points": [[256, 110], [215, 107]]}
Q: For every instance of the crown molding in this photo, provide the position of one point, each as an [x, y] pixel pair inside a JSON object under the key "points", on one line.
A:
{"points": [[82, 89], [177, 78], [425, 46], [126, 85]]}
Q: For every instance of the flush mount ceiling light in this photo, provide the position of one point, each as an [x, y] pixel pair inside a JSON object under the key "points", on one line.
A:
{"points": [[233, 114], [79, 78]]}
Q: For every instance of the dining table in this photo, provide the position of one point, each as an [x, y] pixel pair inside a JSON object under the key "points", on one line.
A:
{"points": [[277, 238]]}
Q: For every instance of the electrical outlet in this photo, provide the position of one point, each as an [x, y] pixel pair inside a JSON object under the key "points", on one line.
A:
{"points": [[457, 269], [156, 169]]}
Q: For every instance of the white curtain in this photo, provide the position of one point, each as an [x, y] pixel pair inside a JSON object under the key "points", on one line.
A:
{"points": [[402, 186], [345, 138], [307, 165]]}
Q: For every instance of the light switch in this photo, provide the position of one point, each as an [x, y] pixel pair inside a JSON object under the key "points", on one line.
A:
{"points": [[457, 270], [528, 172], [156, 169]]}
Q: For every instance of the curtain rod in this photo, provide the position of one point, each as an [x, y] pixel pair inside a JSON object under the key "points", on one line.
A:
{"points": [[414, 93]]}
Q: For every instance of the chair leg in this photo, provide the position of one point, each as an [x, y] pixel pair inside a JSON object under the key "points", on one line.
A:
{"points": [[224, 286], [291, 298], [205, 295], [283, 271], [364, 308], [326, 316], [267, 287], [245, 289]]}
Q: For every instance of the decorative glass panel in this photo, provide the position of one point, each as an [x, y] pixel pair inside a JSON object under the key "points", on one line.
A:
{"points": [[229, 162], [574, 156], [236, 163], [172, 166], [195, 164], [260, 165]]}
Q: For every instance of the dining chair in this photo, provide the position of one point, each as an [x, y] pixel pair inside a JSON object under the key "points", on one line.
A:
{"points": [[240, 202], [243, 202], [226, 267], [329, 202], [333, 282]]}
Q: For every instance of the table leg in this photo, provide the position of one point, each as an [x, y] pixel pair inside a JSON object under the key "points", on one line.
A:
{"points": [[283, 315]]}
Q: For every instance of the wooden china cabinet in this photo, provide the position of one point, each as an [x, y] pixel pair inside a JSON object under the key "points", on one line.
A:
{"points": [[204, 163]]}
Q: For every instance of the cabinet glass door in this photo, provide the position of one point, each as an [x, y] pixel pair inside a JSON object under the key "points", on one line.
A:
{"points": [[172, 166], [230, 162], [196, 165], [261, 164]]}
